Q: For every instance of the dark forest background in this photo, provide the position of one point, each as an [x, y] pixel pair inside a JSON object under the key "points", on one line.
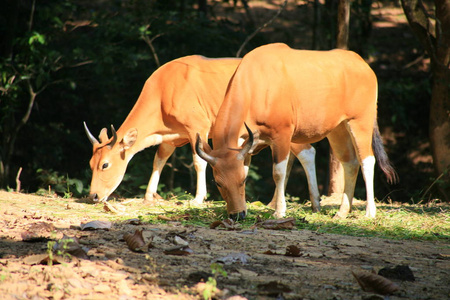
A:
{"points": [[64, 62]]}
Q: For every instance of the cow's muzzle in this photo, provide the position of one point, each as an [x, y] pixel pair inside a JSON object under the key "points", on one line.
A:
{"points": [[238, 216]]}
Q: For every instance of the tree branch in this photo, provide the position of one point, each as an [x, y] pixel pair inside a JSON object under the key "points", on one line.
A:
{"points": [[149, 42], [419, 21], [238, 54]]}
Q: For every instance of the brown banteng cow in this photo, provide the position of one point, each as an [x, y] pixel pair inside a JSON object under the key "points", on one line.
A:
{"points": [[179, 99], [292, 97]]}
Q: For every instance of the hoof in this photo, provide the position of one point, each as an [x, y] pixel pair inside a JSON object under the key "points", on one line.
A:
{"points": [[196, 202], [340, 216], [272, 204], [279, 215]]}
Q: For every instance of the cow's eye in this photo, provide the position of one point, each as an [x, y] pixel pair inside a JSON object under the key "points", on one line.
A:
{"points": [[218, 184], [243, 182], [105, 166]]}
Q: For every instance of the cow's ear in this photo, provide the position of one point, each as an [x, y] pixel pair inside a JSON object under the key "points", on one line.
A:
{"points": [[103, 135], [129, 138], [206, 147]]}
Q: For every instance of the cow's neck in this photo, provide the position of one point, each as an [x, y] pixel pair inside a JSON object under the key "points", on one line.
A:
{"points": [[229, 125], [146, 117]]}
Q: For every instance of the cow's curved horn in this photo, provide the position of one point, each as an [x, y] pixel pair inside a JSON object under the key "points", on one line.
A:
{"points": [[248, 145], [91, 138], [114, 140], [209, 158]]}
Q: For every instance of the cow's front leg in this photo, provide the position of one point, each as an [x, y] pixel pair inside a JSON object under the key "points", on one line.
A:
{"points": [[279, 176], [280, 155], [200, 168], [162, 155]]}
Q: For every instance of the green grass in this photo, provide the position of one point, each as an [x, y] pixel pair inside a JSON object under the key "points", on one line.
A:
{"points": [[394, 221], [418, 222]]}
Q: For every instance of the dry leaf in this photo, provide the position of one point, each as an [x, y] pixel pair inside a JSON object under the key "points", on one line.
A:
{"points": [[164, 218], [43, 259], [179, 241], [374, 283], [293, 251], [179, 250], [233, 258], [252, 230], [173, 236], [228, 224], [95, 225], [135, 241], [116, 208], [134, 221], [287, 223], [270, 252]]}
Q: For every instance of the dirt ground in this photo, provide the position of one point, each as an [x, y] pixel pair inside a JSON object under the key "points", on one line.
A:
{"points": [[321, 270]]}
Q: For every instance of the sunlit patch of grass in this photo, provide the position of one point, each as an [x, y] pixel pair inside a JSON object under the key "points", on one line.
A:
{"points": [[395, 222]]}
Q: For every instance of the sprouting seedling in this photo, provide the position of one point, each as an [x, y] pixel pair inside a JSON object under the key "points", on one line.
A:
{"points": [[211, 283]]}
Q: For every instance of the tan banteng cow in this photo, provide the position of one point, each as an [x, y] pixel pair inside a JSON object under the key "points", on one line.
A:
{"points": [[293, 97]]}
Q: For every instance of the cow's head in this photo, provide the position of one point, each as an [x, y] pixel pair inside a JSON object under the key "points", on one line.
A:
{"points": [[229, 173], [109, 161]]}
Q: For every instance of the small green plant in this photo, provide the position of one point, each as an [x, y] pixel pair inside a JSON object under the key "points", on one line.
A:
{"points": [[4, 276], [50, 245], [60, 248], [211, 284]]}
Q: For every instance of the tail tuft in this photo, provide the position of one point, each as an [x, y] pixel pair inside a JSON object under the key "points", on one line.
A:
{"points": [[382, 158]]}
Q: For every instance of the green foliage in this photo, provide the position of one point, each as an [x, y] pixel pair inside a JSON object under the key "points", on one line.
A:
{"points": [[404, 97], [61, 185]]}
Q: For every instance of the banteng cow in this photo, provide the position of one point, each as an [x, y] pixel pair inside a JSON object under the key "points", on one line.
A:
{"points": [[293, 97]]}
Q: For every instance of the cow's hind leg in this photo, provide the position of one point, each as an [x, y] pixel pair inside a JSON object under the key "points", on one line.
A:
{"points": [[306, 155], [342, 145], [162, 155], [361, 133]]}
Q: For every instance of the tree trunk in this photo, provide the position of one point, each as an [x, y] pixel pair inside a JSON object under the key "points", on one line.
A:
{"points": [[343, 24], [436, 41]]}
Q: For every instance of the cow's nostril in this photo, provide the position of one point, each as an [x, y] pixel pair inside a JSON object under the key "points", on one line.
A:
{"points": [[93, 197], [239, 216]]}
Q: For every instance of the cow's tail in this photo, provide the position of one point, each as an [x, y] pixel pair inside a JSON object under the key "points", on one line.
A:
{"points": [[381, 156]]}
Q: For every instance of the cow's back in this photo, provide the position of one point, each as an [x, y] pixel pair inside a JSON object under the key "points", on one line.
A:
{"points": [[184, 92], [277, 87], [194, 86]]}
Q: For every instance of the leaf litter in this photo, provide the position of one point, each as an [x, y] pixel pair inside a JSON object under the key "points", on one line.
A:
{"points": [[374, 283], [251, 274], [136, 242]]}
